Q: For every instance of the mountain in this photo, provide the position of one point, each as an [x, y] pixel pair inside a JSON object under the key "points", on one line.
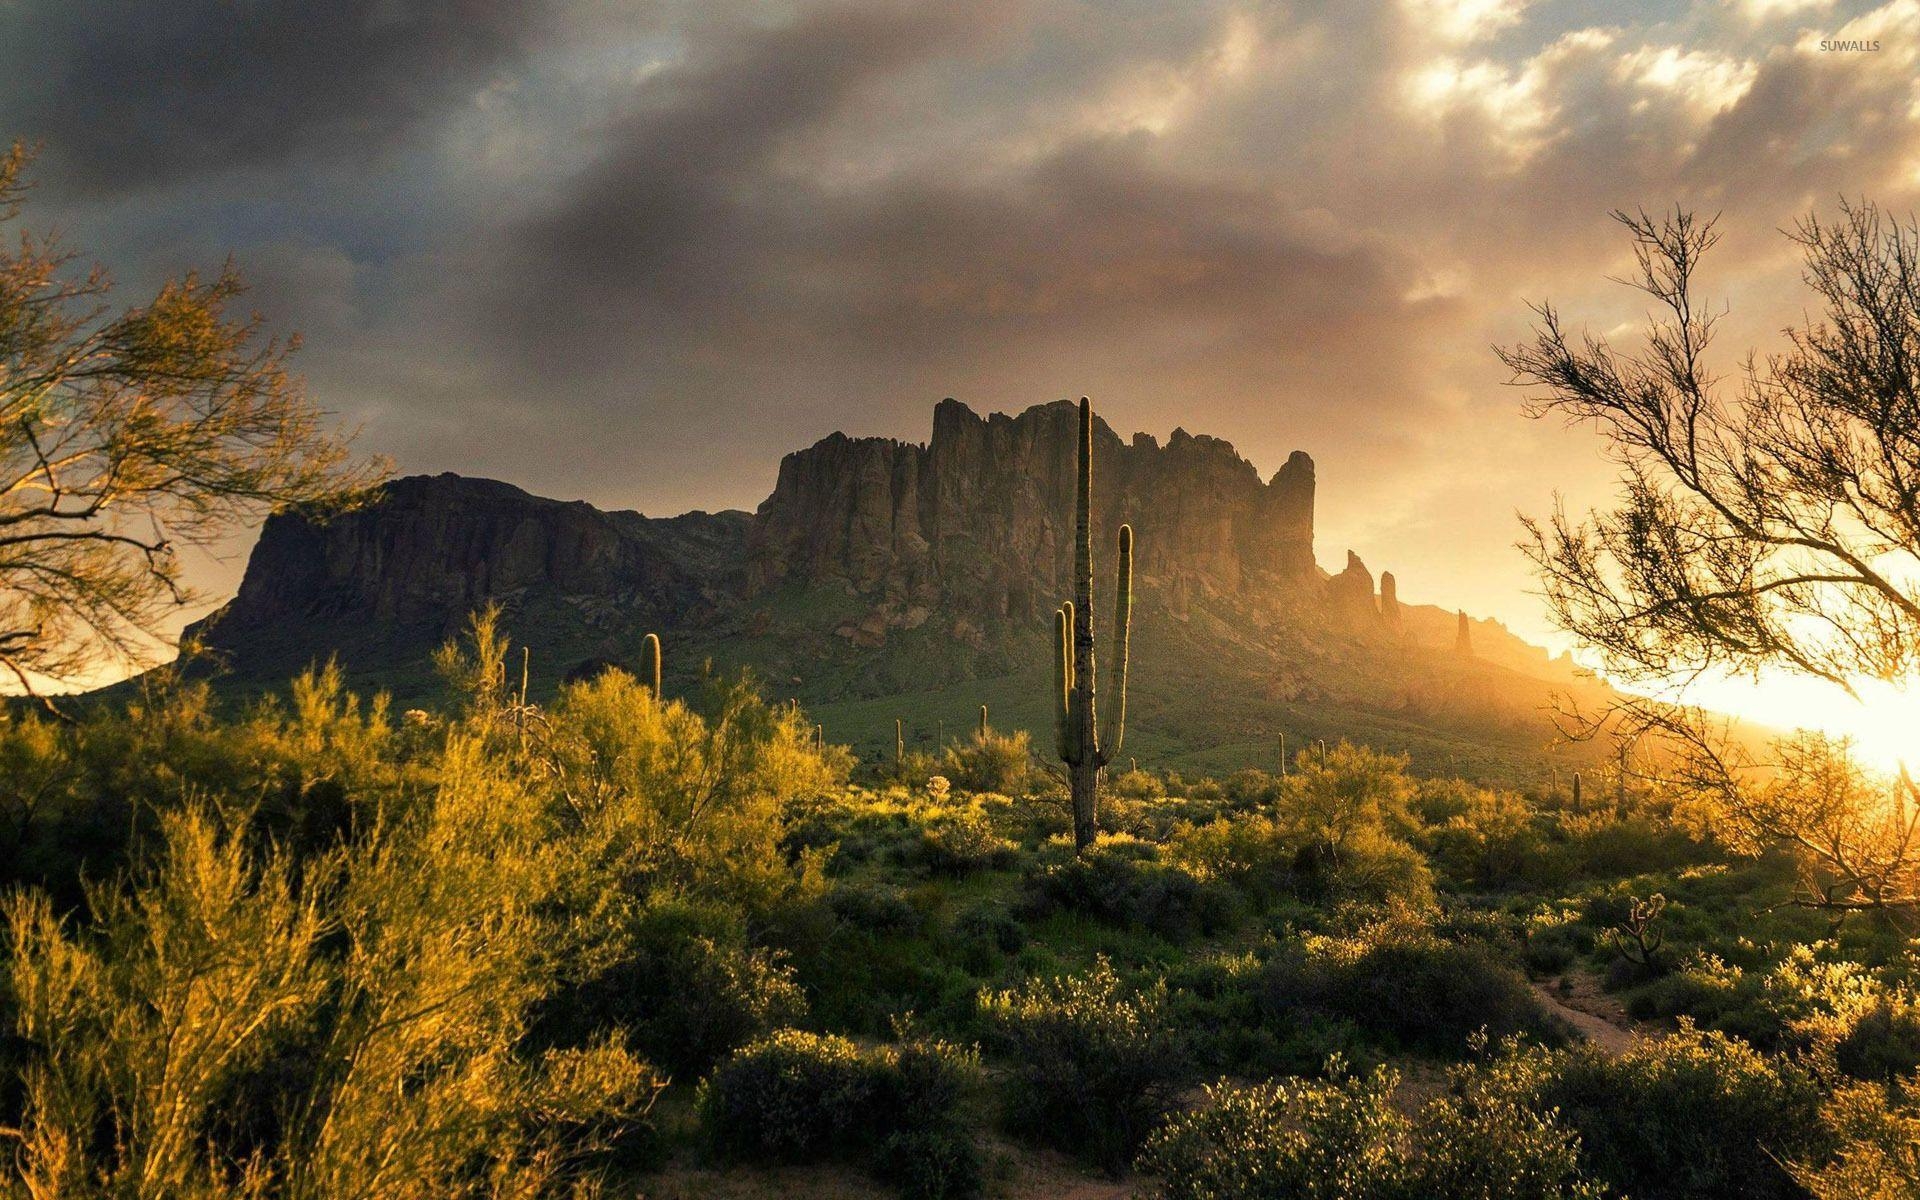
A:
{"points": [[885, 578]]}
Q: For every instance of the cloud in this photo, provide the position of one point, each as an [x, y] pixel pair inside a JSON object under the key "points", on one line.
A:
{"points": [[127, 94], [634, 251]]}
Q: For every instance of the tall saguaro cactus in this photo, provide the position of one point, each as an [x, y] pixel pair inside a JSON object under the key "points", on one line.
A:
{"points": [[1085, 744], [650, 649]]}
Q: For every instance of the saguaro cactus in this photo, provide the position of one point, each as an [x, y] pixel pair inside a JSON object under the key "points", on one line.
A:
{"points": [[983, 722], [650, 650], [899, 747], [1085, 744]]}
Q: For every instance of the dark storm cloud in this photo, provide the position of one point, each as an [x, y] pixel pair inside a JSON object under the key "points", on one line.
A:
{"points": [[673, 220], [130, 93], [634, 250]]}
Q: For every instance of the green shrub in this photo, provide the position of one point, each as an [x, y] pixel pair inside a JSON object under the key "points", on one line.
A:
{"points": [[989, 933], [990, 761], [791, 1096], [1397, 977], [1096, 1065], [1344, 1140], [686, 989], [875, 908], [1256, 854], [1692, 1114], [1284, 1141], [1882, 1044], [354, 1022], [1876, 1131], [959, 843], [1136, 785], [803, 1097], [1493, 842], [1114, 884]]}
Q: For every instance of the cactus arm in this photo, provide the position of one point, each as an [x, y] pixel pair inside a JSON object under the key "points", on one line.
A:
{"points": [[1116, 727], [1063, 681]]}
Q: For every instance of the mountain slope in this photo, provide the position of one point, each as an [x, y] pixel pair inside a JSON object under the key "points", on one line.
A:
{"points": [[884, 578]]}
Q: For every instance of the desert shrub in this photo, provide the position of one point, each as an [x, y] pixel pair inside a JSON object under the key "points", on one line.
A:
{"points": [[1230, 1026], [1281, 1141], [791, 1096], [1371, 867], [1253, 789], [990, 761], [353, 1022], [1355, 788], [79, 799], [1344, 1140], [688, 796], [802, 1097], [1136, 784], [685, 986], [1492, 842], [1605, 845], [1802, 1001], [1692, 1114], [1480, 1142], [958, 843], [1876, 1131], [912, 770], [873, 907], [1437, 800], [1553, 939], [1882, 1043], [991, 930], [1398, 978], [1120, 883], [1096, 1063], [1256, 854]]}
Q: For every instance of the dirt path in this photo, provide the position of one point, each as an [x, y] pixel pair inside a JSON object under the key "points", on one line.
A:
{"points": [[1591, 1012]]}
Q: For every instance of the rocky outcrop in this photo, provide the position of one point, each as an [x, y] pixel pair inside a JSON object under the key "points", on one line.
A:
{"points": [[1350, 596], [435, 547], [979, 519], [1390, 601]]}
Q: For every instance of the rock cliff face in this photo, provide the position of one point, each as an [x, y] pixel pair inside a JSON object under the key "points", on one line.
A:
{"points": [[884, 568], [435, 547], [980, 518]]}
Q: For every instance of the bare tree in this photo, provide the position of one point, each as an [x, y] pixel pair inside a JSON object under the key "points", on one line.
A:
{"points": [[1768, 518], [125, 436]]}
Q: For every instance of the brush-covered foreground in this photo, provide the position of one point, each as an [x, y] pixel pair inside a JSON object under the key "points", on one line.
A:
{"points": [[613, 943]]}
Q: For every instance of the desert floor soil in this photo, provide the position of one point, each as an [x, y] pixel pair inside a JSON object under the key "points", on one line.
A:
{"points": [[1578, 999]]}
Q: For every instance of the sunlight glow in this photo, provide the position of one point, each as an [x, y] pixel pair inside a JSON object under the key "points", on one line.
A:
{"points": [[1884, 724]]}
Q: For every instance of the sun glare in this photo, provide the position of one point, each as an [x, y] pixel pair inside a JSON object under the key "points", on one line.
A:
{"points": [[1883, 723]]}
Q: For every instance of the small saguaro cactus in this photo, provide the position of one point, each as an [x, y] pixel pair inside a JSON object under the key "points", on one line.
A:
{"points": [[1576, 791], [1283, 756], [899, 747], [983, 721], [650, 651], [1084, 744]]}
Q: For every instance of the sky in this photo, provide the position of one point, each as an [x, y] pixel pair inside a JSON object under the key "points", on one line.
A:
{"points": [[632, 252]]}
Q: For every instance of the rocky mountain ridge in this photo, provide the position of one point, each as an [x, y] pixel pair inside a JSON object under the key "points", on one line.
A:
{"points": [[876, 567]]}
